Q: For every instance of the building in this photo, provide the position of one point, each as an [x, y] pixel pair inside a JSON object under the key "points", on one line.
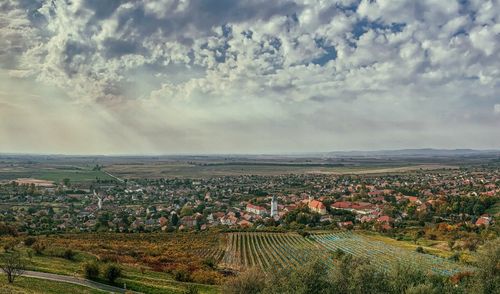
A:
{"points": [[484, 220], [274, 207], [317, 206], [259, 210], [188, 221]]}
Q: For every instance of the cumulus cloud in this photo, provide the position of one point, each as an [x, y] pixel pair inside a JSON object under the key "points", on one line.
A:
{"points": [[251, 76]]}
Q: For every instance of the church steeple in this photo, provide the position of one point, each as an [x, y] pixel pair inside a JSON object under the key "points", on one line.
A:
{"points": [[274, 207]]}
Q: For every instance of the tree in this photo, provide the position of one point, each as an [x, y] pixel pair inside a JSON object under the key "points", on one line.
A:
{"points": [[488, 269], [12, 265], [186, 211], [39, 247], [175, 219], [112, 272], [251, 281], [91, 270], [69, 254], [29, 241], [66, 182]]}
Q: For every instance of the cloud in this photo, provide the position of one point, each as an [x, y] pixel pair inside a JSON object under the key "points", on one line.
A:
{"points": [[237, 75]]}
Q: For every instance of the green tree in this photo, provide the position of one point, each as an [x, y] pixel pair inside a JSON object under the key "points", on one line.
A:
{"points": [[186, 211], [91, 270], [488, 269], [12, 265], [112, 272]]}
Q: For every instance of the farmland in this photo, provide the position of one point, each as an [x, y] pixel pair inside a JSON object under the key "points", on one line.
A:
{"points": [[204, 170], [271, 250], [268, 250], [54, 173]]}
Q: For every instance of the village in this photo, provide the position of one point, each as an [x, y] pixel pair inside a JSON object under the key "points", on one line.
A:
{"points": [[457, 197]]}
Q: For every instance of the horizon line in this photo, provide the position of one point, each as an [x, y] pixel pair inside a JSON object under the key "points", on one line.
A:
{"points": [[242, 153]]}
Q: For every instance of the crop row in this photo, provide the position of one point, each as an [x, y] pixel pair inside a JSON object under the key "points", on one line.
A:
{"points": [[267, 250], [270, 251], [385, 255]]}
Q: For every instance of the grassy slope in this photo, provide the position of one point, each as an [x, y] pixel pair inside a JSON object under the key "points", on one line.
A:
{"points": [[39, 286], [428, 245], [149, 282]]}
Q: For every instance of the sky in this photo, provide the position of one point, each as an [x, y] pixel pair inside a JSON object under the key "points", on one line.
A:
{"points": [[248, 76]]}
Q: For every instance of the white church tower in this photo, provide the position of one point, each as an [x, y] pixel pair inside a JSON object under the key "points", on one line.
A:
{"points": [[274, 207]]}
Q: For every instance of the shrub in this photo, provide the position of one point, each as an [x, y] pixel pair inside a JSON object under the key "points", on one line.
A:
{"points": [[419, 249], [421, 289], [304, 234], [69, 254], [209, 262], [29, 241], [337, 254], [455, 256], [487, 275], [182, 275], [112, 272], [206, 277], [108, 258], [250, 281], [39, 247], [91, 270]]}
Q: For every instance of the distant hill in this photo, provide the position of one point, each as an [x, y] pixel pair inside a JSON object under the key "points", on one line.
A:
{"points": [[428, 152]]}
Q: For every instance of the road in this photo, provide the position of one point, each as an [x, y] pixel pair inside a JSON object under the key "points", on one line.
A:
{"points": [[115, 177], [74, 280]]}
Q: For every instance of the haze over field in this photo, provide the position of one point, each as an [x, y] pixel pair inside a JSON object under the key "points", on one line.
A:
{"points": [[167, 76]]}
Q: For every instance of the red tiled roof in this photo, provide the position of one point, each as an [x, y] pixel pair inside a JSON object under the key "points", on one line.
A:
{"points": [[385, 218], [342, 204], [317, 204], [249, 205]]}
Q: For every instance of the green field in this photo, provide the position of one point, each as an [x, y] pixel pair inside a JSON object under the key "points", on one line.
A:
{"points": [[52, 173], [187, 170]]}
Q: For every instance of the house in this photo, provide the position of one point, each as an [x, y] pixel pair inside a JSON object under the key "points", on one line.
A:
{"points": [[259, 210], [163, 221], [325, 218], [423, 208], [413, 199], [347, 224], [385, 219], [228, 220], [341, 205], [379, 199], [188, 221], [317, 206], [245, 224], [366, 218], [484, 220]]}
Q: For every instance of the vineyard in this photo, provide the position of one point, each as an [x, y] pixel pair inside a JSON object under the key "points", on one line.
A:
{"points": [[383, 254], [276, 250], [268, 250]]}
